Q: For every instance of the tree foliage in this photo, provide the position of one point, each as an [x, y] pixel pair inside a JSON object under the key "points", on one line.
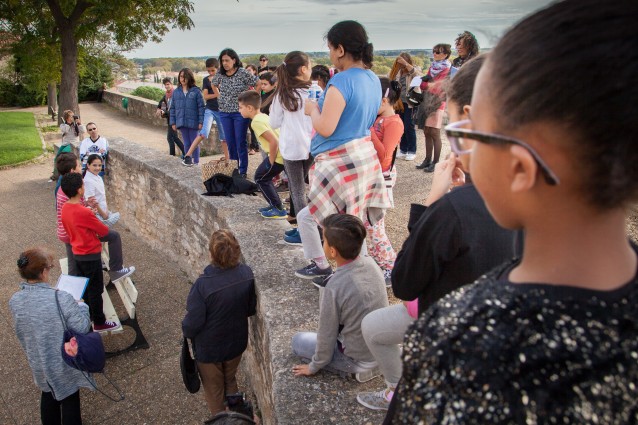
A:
{"points": [[148, 92], [96, 25]]}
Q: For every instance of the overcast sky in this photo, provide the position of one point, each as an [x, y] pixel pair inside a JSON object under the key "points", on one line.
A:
{"points": [[260, 26]]}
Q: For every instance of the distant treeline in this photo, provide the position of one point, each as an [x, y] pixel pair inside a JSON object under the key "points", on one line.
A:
{"points": [[383, 61]]}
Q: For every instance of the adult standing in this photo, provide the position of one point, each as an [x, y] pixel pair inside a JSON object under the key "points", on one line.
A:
{"points": [[346, 177], [163, 110], [187, 110], [39, 329], [232, 79], [429, 116], [71, 130], [467, 47], [263, 64], [404, 71]]}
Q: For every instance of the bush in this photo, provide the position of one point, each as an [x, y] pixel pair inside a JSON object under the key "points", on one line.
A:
{"points": [[148, 92]]}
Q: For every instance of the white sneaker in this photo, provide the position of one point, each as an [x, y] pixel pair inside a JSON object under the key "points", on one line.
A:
{"points": [[410, 157], [401, 155], [377, 400]]}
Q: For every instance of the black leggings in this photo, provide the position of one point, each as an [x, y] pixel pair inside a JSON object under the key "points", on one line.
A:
{"points": [[63, 412], [432, 143]]}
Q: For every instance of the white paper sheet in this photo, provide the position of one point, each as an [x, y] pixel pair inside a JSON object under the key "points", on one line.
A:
{"points": [[74, 285]]}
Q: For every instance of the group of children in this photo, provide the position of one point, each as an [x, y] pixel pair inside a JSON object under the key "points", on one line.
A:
{"points": [[83, 223]]}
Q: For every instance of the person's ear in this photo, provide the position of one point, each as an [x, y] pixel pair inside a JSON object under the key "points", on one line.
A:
{"points": [[466, 111], [523, 169], [340, 51]]}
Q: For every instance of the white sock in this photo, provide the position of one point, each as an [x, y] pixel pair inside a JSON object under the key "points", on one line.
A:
{"points": [[321, 262]]}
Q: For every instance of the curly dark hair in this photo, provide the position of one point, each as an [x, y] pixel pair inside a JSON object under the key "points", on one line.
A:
{"points": [[469, 42]]}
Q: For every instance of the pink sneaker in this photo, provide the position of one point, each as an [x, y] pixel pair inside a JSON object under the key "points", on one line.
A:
{"points": [[105, 327]]}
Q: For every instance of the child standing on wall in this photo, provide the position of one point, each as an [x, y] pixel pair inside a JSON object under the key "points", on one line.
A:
{"points": [[210, 93], [287, 114], [355, 289], [218, 306], [273, 164]]}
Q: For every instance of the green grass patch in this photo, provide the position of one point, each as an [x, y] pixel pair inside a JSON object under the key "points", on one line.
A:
{"points": [[19, 139], [50, 129]]}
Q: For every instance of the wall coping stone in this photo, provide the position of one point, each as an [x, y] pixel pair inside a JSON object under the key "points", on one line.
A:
{"points": [[286, 304]]}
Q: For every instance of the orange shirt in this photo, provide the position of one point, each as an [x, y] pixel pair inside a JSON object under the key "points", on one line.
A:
{"points": [[386, 134]]}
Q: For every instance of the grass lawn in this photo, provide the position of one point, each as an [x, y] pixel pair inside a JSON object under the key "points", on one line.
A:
{"points": [[19, 139]]}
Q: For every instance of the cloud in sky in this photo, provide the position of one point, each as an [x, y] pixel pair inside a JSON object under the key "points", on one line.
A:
{"points": [[256, 26]]}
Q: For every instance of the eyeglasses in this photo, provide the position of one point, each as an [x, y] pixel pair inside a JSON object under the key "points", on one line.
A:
{"points": [[91, 129], [461, 138], [263, 60]]}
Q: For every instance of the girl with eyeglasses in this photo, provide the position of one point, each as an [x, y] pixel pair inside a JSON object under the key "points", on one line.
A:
{"points": [[551, 337]]}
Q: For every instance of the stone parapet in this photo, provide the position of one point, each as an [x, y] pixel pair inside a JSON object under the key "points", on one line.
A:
{"points": [[160, 201], [144, 109]]}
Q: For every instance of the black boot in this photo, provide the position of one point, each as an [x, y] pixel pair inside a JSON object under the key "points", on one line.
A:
{"points": [[426, 163], [430, 168]]}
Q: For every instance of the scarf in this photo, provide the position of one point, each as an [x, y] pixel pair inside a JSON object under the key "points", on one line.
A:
{"points": [[439, 66], [169, 94]]}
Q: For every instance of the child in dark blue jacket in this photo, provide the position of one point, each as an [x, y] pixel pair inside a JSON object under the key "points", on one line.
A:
{"points": [[187, 110], [218, 307]]}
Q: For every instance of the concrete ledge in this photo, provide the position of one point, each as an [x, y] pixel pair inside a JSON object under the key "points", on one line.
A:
{"points": [[160, 201]]}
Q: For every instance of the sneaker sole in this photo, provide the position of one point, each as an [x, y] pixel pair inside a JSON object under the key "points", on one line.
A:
{"points": [[293, 244], [276, 217], [370, 406], [307, 277]]}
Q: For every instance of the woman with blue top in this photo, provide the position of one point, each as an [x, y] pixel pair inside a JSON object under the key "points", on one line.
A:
{"points": [[346, 177], [232, 79], [187, 110]]}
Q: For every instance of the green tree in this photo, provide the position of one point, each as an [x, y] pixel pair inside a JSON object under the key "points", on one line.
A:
{"points": [[68, 24]]}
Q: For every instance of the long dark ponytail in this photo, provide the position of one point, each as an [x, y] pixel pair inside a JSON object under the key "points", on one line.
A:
{"points": [[287, 81]]}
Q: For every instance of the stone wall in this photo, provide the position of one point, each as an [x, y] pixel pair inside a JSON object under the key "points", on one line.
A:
{"points": [[160, 201], [145, 109]]}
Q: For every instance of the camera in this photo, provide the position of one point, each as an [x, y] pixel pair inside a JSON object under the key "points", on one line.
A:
{"points": [[238, 403], [76, 117]]}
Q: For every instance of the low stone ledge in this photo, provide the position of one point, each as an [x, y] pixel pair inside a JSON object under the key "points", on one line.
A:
{"points": [[160, 201]]}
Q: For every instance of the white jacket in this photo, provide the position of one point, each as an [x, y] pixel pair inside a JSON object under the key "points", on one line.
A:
{"points": [[295, 129]]}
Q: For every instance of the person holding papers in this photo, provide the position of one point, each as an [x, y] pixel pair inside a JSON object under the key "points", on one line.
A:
{"points": [[39, 329]]}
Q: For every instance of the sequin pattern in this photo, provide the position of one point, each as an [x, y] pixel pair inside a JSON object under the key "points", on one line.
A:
{"points": [[496, 352]]}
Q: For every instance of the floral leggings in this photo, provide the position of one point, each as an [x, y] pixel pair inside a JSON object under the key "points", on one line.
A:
{"points": [[379, 245]]}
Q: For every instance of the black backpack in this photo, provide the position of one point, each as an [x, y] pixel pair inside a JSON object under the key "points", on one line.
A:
{"points": [[223, 185]]}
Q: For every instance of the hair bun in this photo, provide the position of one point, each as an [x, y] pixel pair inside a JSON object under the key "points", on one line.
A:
{"points": [[22, 261]]}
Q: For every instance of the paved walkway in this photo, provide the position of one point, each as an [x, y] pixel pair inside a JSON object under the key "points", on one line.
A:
{"points": [[150, 378]]}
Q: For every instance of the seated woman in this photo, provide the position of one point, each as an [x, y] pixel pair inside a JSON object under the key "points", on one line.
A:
{"points": [[552, 337]]}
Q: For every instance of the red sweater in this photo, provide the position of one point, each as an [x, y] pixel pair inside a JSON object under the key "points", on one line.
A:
{"points": [[83, 228], [60, 200], [386, 134]]}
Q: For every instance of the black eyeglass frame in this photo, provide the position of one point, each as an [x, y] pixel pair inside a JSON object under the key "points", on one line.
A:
{"points": [[455, 131]]}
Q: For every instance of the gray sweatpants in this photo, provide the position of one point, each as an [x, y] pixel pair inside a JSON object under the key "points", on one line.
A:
{"points": [[297, 171]]}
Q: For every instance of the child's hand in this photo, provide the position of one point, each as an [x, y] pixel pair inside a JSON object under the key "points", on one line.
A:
{"points": [[443, 179], [310, 106], [301, 370], [71, 347]]}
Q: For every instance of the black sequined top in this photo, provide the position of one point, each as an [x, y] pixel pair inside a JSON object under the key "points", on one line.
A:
{"points": [[497, 352]]}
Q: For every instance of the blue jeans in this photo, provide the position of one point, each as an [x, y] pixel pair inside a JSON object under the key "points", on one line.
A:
{"points": [[263, 178], [209, 116], [235, 129], [304, 345], [189, 134], [408, 140]]}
